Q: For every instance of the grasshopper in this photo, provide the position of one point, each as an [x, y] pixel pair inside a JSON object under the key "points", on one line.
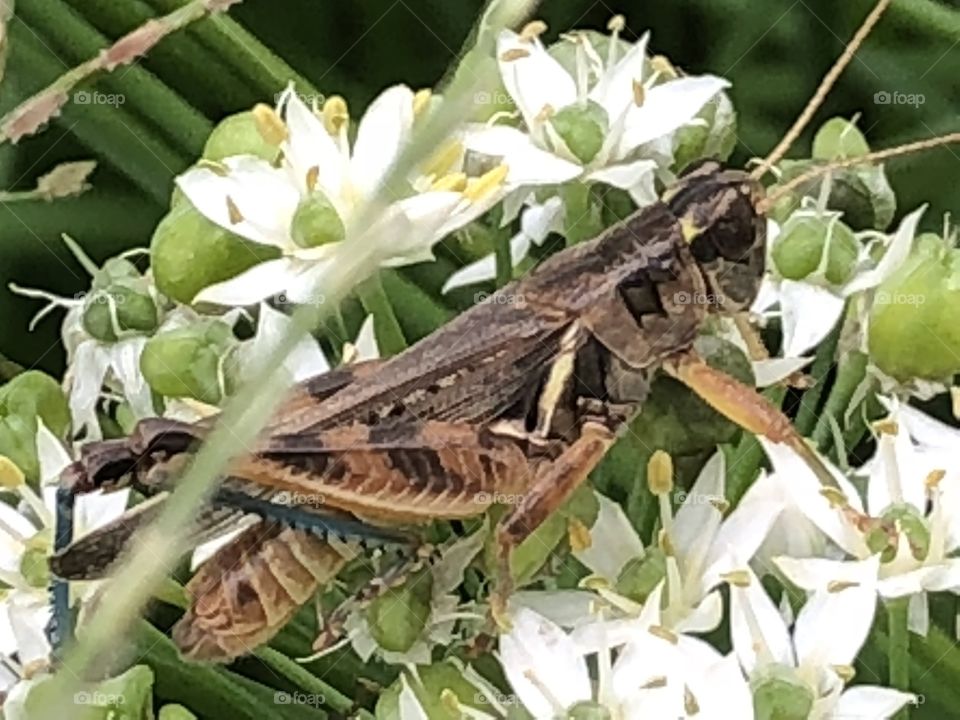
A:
{"points": [[521, 395]]}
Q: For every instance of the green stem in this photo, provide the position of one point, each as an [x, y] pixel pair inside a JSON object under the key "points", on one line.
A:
{"points": [[807, 415], [581, 217], [898, 649], [306, 680], [374, 299], [501, 249], [852, 370]]}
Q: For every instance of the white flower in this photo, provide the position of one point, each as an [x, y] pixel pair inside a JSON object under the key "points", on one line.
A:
{"points": [[26, 537], [309, 204], [810, 308], [912, 519], [655, 673], [633, 115], [827, 635]]}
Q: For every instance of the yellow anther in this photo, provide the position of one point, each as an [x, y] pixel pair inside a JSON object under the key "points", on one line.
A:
{"points": [[932, 480], [335, 114], [449, 699], [11, 476], [421, 101], [514, 54], [546, 112], [737, 578], [664, 634], [690, 704], [721, 504], [887, 426], [955, 401], [660, 64], [213, 166], [845, 672], [233, 212], [487, 183], [532, 30], [639, 93], [444, 160], [313, 175], [579, 535], [270, 125], [617, 23], [594, 582], [456, 182], [660, 473], [835, 586]]}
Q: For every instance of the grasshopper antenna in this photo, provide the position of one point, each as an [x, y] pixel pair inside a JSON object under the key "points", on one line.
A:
{"points": [[874, 157], [826, 85]]}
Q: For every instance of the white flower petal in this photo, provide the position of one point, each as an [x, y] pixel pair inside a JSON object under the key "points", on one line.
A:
{"points": [[697, 518], [918, 614], [614, 90], [893, 258], [567, 608], [125, 363], [251, 286], [809, 313], [534, 80], [832, 627], [668, 107], [722, 691], [366, 342], [757, 630], [265, 197], [767, 296], [309, 145], [771, 371], [382, 133], [537, 648], [635, 177], [304, 361], [705, 617], [53, 456], [29, 615], [614, 541], [88, 368], [527, 164], [870, 701]]}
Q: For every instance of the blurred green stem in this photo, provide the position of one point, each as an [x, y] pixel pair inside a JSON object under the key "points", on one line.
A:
{"points": [[504, 258], [898, 648], [850, 373], [374, 298], [807, 415], [309, 682]]}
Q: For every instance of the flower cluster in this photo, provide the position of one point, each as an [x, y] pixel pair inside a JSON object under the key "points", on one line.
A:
{"points": [[732, 582]]}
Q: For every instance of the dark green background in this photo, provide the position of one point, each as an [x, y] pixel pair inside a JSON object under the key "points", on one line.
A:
{"points": [[774, 51]]}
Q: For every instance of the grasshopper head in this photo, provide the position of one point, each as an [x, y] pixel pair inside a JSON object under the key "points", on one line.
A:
{"points": [[717, 208]]}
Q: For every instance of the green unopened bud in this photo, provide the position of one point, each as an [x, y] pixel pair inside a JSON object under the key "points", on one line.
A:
{"points": [[798, 251], [839, 139], [583, 128], [114, 270], [316, 222], [117, 311], [188, 252], [778, 694], [588, 710], [196, 361], [912, 524], [35, 394], [712, 135], [397, 618], [240, 134], [640, 576], [913, 332]]}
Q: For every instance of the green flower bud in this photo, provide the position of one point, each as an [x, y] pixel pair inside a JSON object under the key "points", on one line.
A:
{"points": [[114, 270], [909, 520], [798, 250], [397, 618], [119, 309], [189, 252], [583, 128], [35, 394], [778, 694], [640, 576], [18, 443], [316, 222], [34, 568], [839, 139], [714, 137], [444, 687], [238, 135], [196, 361], [588, 710], [912, 330]]}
